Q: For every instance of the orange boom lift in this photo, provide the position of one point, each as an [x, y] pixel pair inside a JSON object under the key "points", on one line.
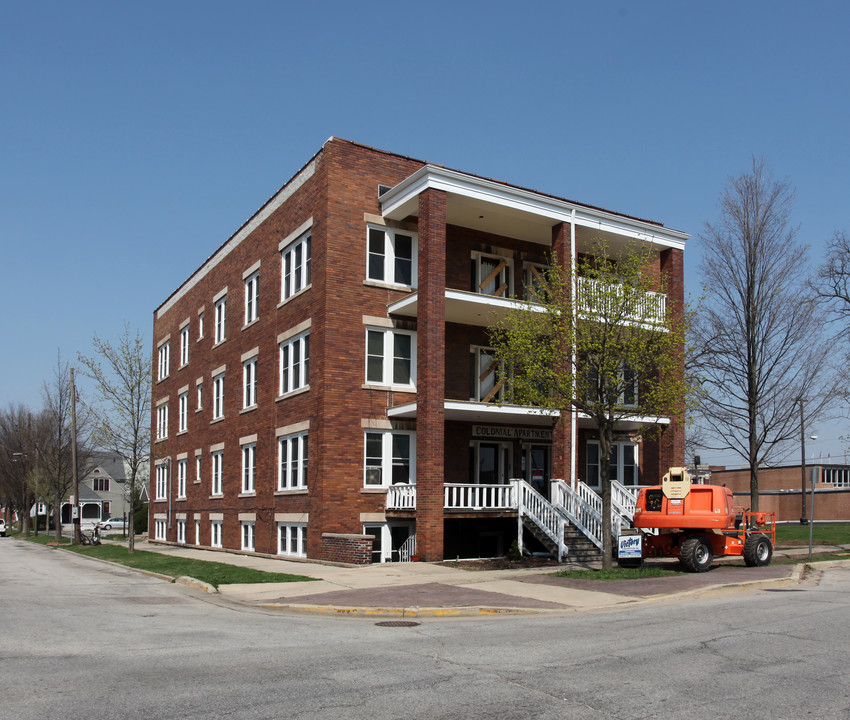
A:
{"points": [[697, 523]]}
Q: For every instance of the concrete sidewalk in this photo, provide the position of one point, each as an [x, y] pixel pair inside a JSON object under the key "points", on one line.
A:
{"points": [[446, 589]]}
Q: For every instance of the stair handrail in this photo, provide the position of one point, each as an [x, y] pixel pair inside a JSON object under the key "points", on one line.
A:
{"points": [[582, 509], [623, 499], [407, 548], [545, 515]]}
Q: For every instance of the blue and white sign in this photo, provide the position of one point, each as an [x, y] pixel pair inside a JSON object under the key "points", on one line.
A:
{"points": [[630, 547]]}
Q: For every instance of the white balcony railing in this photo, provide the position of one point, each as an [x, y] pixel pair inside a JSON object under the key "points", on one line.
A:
{"points": [[401, 497], [479, 497], [592, 295]]}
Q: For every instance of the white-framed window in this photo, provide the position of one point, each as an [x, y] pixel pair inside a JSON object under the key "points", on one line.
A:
{"points": [[248, 536], [184, 346], [100, 484], [182, 411], [215, 533], [534, 283], [182, 471], [197, 532], [249, 383], [220, 316], [390, 458], [160, 529], [623, 467], [200, 396], [292, 462], [391, 256], [486, 378], [218, 396], [217, 465], [626, 382], [295, 267], [181, 532], [162, 421], [164, 355], [249, 468], [492, 275], [197, 468], [391, 357], [200, 325], [295, 363], [252, 298], [162, 481], [292, 539]]}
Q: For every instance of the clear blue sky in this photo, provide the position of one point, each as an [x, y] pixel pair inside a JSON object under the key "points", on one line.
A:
{"points": [[136, 138]]}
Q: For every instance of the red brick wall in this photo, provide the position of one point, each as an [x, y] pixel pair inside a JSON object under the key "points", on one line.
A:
{"points": [[349, 549]]}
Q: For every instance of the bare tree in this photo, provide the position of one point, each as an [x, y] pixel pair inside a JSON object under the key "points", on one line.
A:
{"points": [[16, 461], [757, 349], [833, 280], [123, 378], [609, 348]]}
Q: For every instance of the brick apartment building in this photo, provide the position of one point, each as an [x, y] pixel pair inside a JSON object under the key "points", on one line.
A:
{"points": [[323, 386]]}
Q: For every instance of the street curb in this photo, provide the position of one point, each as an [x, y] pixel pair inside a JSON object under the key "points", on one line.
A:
{"points": [[195, 583], [409, 612]]}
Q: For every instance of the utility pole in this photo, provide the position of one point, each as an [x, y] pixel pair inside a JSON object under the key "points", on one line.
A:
{"points": [[77, 514]]}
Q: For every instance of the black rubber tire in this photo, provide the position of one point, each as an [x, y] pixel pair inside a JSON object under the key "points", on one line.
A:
{"points": [[696, 555], [107, 527], [758, 550]]}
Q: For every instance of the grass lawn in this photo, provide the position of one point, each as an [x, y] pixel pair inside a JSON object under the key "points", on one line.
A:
{"points": [[616, 573], [823, 534]]}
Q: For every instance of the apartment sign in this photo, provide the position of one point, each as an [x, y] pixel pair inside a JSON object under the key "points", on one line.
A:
{"points": [[500, 432]]}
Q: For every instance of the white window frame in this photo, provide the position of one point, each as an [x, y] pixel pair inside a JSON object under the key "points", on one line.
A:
{"points": [[162, 481], [215, 533], [218, 396], [164, 355], [182, 470], [247, 533], [182, 412], [252, 298], [249, 383], [162, 421], [249, 468], [533, 281], [386, 338], [485, 380], [295, 278], [220, 320], [181, 532], [617, 463], [381, 465], [197, 532], [160, 530], [292, 376], [289, 532], [482, 273], [200, 396], [198, 476], [382, 264], [292, 461], [184, 346], [216, 473], [200, 325]]}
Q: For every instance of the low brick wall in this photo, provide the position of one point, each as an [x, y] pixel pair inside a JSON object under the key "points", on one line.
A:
{"points": [[349, 549]]}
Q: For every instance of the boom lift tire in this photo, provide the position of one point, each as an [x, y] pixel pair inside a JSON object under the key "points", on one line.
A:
{"points": [[757, 550], [696, 554]]}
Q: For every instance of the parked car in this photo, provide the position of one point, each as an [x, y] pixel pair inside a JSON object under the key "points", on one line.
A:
{"points": [[2, 527], [113, 523]]}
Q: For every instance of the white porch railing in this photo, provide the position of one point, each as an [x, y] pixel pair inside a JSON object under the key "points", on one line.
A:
{"points": [[592, 293], [537, 508], [479, 497], [401, 497]]}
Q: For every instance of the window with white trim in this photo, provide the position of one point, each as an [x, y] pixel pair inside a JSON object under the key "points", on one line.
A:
{"points": [[292, 539], [295, 267], [390, 458], [294, 364], [292, 462], [181, 532], [164, 356], [215, 533], [182, 470], [184, 346], [623, 467], [162, 421], [535, 286], [249, 383], [162, 481], [391, 358], [625, 383], [486, 378], [197, 468], [249, 468], [217, 467], [200, 396], [252, 298], [492, 275], [248, 536], [182, 411], [218, 396], [197, 532], [160, 530], [220, 316], [391, 256], [100, 484], [200, 325]]}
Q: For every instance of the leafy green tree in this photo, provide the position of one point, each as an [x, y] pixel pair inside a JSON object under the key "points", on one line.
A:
{"points": [[599, 339]]}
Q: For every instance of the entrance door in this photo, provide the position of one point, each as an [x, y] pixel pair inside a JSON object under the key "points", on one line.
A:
{"points": [[536, 467], [491, 463]]}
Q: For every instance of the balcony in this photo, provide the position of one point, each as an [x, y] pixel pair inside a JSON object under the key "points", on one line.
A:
{"points": [[652, 310]]}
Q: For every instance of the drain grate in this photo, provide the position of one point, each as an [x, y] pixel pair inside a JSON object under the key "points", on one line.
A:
{"points": [[397, 623]]}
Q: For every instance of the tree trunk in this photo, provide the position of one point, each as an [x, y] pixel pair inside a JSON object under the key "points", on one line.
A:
{"points": [[606, 439]]}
